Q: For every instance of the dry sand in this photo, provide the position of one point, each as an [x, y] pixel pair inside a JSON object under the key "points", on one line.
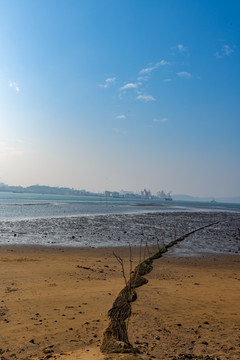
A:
{"points": [[54, 304]]}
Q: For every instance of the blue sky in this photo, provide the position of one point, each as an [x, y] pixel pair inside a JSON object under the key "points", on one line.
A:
{"points": [[121, 95]]}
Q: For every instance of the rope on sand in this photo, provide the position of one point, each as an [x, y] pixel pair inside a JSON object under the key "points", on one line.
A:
{"points": [[115, 338]]}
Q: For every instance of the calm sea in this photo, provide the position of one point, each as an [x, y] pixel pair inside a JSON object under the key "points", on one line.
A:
{"points": [[15, 206], [83, 221]]}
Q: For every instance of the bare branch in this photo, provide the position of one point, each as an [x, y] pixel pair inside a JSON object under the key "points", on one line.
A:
{"points": [[120, 260]]}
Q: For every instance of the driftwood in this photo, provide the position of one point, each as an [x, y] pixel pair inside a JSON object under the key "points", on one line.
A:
{"points": [[115, 339]]}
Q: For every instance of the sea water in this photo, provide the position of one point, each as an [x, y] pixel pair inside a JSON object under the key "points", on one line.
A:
{"points": [[16, 206], [97, 221]]}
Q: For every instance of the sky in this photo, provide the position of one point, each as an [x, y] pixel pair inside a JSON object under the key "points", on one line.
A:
{"points": [[121, 94]]}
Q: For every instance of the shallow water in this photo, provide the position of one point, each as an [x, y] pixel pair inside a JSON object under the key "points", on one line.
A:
{"points": [[83, 221], [16, 206]]}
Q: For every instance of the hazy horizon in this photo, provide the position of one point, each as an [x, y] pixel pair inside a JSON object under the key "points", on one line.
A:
{"points": [[175, 196], [121, 95]]}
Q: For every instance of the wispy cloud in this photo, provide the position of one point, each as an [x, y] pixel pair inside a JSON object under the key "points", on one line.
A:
{"points": [[164, 119], [167, 80], [184, 74], [120, 131], [149, 69], [8, 150], [14, 86], [20, 141], [180, 51], [129, 86], [108, 82], [143, 78], [121, 116], [146, 98], [181, 47], [226, 50]]}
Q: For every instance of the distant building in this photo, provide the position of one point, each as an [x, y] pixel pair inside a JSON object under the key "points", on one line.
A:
{"points": [[146, 194], [161, 194], [113, 194]]}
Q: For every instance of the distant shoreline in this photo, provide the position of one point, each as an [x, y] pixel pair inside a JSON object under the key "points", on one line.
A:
{"points": [[53, 190]]}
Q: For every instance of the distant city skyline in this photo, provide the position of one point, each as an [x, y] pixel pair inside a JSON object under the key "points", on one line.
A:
{"points": [[145, 193], [37, 188], [124, 94]]}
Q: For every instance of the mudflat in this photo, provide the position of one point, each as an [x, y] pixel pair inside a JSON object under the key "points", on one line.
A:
{"points": [[54, 304]]}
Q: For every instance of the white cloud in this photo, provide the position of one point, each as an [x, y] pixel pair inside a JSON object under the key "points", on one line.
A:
{"points": [[146, 98], [14, 86], [184, 74], [225, 51], [149, 69], [167, 80], [181, 47], [129, 86], [121, 116], [108, 82], [161, 120]]}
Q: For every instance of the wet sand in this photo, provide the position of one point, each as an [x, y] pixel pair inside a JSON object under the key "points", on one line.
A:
{"points": [[54, 304], [124, 229]]}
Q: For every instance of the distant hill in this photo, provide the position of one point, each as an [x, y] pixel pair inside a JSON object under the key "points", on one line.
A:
{"points": [[42, 189], [231, 200]]}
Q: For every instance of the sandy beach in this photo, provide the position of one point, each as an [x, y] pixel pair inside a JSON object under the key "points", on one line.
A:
{"points": [[54, 304]]}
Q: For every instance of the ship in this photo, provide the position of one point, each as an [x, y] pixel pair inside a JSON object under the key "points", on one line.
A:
{"points": [[163, 196], [168, 197]]}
